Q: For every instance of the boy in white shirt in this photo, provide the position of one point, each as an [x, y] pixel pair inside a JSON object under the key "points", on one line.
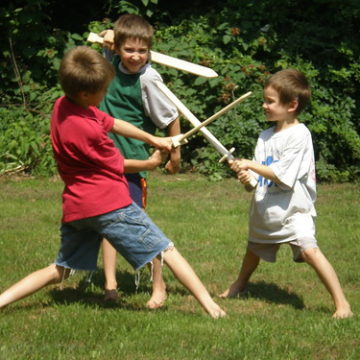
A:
{"points": [[282, 208]]}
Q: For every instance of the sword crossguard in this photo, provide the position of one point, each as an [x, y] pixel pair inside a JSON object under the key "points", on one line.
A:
{"points": [[178, 140], [227, 156]]}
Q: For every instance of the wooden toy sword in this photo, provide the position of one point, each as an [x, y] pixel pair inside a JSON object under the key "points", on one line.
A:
{"points": [[182, 138], [168, 60]]}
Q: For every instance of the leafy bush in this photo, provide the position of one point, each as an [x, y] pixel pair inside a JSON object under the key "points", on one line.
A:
{"points": [[31, 54], [243, 40], [24, 136]]}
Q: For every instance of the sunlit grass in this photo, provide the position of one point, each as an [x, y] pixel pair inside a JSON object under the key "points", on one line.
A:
{"points": [[286, 313]]}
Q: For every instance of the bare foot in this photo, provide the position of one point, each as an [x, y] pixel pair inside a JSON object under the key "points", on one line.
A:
{"points": [[157, 299], [111, 295], [343, 312], [233, 291]]}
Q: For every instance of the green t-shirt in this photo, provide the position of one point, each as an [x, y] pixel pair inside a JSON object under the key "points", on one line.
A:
{"points": [[123, 101], [137, 99]]}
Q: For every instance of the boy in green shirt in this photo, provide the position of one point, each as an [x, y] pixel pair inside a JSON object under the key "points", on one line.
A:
{"points": [[134, 97]]}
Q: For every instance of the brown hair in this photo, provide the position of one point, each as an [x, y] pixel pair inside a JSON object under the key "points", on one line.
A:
{"points": [[291, 84], [84, 69], [132, 26]]}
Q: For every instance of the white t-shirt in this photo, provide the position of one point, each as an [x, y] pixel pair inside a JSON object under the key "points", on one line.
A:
{"points": [[284, 212]]}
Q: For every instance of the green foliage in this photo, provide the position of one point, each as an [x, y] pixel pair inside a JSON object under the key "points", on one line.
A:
{"points": [[196, 41], [243, 40], [31, 52], [24, 136], [145, 7]]}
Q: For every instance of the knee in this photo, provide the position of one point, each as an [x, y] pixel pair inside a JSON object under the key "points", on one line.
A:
{"points": [[58, 273], [310, 255]]}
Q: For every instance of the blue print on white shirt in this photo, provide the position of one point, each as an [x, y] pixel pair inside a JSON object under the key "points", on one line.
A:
{"points": [[263, 181]]}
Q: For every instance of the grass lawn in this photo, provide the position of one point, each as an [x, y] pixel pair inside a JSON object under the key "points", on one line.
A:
{"points": [[286, 313]]}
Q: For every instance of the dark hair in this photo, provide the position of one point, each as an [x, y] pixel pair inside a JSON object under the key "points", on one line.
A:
{"points": [[132, 26], [291, 84], [84, 69]]}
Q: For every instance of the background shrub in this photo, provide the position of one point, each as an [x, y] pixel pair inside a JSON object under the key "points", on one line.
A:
{"points": [[243, 40]]}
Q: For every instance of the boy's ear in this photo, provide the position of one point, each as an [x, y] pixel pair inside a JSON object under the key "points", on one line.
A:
{"points": [[293, 105]]}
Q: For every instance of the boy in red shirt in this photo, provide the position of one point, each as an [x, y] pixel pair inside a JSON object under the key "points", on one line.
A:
{"points": [[96, 200]]}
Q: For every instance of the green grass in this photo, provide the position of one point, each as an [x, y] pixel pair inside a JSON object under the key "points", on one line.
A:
{"points": [[285, 315]]}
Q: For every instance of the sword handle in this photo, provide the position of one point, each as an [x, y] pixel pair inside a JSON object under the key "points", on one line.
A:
{"points": [[229, 156], [253, 182]]}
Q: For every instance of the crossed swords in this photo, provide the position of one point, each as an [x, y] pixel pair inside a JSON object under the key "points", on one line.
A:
{"points": [[198, 126]]}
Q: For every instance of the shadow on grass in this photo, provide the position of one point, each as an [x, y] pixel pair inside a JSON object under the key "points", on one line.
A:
{"points": [[126, 281], [271, 292], [90, 291], [91, 299]]}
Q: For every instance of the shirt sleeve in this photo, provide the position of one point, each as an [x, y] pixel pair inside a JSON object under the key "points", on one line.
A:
{"points": [[289, 167], [157, 106], [106, 120]]}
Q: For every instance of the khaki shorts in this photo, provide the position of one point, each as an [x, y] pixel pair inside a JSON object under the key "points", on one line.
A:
{"points": [[268, 252]]}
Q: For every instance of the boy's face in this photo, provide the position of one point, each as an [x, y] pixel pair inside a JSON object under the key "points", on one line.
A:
{"points": [[274, 110], [134, 54]]}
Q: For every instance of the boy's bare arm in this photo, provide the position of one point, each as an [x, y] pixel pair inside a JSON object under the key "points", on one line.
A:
{"points": [[173, 165], [126, 129], [155, 160]]}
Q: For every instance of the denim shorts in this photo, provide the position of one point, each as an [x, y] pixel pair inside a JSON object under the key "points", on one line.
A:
{"points": [[129, 230]]}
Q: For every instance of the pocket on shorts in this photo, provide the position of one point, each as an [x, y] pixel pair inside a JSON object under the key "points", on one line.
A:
{"points": [[143, 229], [137, 228]]}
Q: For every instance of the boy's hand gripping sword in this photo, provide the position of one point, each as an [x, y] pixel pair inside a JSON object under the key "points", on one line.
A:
{"points": [[168, 61], [181, 139]]}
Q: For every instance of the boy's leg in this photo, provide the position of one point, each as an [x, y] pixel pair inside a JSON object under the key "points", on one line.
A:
{"points": [[249, 265], [35, 281], [186, 275], [139, 240], [316, 259], [138, 192], [159, 295], [109, 262]]}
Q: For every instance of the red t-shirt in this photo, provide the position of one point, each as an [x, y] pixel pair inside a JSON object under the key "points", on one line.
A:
{"points": [[88, 162]]}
